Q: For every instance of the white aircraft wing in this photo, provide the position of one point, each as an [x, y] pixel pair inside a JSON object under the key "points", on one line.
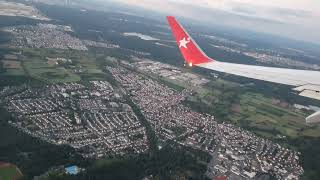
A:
{"points": [[307, 82]]}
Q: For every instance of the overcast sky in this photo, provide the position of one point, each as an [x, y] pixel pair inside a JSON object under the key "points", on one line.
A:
{"points": [[298, 19]]}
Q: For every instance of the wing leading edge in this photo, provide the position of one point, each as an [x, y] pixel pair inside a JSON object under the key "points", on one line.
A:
{"points": [[307, 82]]}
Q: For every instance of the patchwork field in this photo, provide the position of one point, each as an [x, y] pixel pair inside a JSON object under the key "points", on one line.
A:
{"points": [[40, 70], [47, 65], [267, 117], [11, 65]]}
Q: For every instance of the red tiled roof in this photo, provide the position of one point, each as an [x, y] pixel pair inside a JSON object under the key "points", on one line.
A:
{"points": [[221, 178]]}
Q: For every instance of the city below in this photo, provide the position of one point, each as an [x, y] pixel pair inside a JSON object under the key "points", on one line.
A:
{"points": [[96, 120], [93, 90]]}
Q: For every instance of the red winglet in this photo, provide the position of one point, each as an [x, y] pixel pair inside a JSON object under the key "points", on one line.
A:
{"points": [[191, 52]]}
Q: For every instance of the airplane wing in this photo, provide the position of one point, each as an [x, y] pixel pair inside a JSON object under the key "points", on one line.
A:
{"points": [[306, 83]]}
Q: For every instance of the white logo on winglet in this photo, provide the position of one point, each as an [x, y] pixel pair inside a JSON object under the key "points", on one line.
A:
{"points": [[184, 42]]}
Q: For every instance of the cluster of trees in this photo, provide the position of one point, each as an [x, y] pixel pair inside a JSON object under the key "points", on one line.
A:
{"points": [[171, 162], [310, 156], [6, 80], [2, 69]]}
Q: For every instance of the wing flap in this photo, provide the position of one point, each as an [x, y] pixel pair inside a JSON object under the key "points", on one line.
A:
{"points": [[310, 94], [314, 118], [312, 87]]}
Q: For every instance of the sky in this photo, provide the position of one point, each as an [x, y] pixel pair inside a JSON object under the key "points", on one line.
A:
{"points": [[296, 19]]}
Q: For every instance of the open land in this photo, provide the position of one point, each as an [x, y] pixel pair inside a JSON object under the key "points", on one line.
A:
{"points": [[51, 65], [18, 9]]}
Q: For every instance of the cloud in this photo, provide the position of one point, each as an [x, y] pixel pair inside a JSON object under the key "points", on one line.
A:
{"points": [[291, 18], [280, 14], [244, 10], [291, 13]]}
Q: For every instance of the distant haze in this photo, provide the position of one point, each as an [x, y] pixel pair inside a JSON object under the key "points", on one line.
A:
{"points": [[296, 19]]}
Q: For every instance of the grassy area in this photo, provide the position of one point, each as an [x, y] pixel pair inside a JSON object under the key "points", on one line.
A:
{"points": [[172, 84], [39, 69], [15, 72], [264, 115], [35, 65], [9, 173]]}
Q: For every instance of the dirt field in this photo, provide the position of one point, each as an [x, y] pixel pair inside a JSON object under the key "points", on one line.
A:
{"points": [[52, 61], [11, 64], [3, 164]]}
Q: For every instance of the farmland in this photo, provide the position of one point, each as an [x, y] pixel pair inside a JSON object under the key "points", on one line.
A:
{"points": [[271, 117], [41, 65]]}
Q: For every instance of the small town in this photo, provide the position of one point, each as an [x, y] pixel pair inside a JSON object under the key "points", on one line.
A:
{"points": [[44, 36], [93, 120], [236, 152]]}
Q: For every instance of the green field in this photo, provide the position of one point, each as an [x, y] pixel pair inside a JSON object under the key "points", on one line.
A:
{"points": [[267, 118], [14, 72], [40, 70], [35, 65], [9, 173]]}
